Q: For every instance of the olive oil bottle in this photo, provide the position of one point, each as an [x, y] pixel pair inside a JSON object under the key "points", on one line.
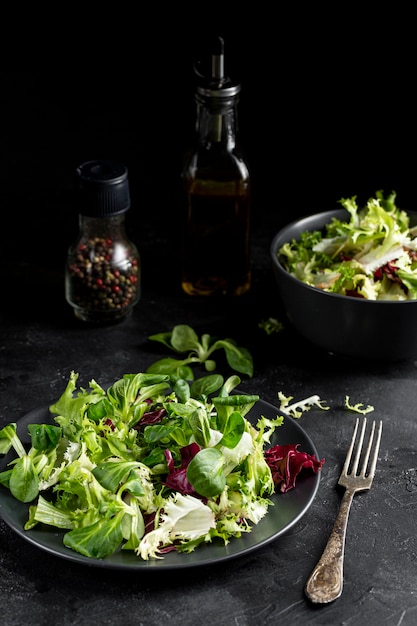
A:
{"points": [[216, 184]]}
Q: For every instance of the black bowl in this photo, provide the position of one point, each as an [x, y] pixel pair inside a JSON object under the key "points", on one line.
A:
{"points": [[344, 325]]}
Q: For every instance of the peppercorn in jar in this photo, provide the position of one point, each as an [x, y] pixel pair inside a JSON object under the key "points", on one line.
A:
{"points": [[102, 280]]}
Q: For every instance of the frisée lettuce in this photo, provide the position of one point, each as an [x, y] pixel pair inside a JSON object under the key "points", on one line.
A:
{"points": [[151, 465], [372, 255]]}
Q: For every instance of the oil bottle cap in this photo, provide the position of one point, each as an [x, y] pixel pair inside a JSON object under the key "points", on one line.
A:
{"points": [[212, 81], [104, 188]]}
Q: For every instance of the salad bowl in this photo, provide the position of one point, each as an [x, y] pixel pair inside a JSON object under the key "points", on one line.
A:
{"points": [[342, 324]]}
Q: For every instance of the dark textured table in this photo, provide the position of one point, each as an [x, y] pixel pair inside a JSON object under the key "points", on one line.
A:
{"points": [[41, 343]]}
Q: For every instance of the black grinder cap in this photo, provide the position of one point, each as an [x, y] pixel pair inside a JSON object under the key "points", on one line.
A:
{"points": [[104, 188]]}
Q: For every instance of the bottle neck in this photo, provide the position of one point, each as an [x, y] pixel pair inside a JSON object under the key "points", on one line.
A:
{"points": [[216, 122]]}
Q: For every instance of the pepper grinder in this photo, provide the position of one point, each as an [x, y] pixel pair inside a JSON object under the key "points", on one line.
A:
{"points": [[102, 275]]}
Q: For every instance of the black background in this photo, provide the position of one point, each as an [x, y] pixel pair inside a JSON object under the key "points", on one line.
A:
{"points": [[327, 110]]}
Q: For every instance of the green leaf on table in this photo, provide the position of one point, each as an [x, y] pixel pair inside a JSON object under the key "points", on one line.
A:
{"points": [[184, 340]]}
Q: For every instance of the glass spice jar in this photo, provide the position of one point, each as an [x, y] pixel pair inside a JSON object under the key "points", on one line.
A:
{"points": [[102, 276]]}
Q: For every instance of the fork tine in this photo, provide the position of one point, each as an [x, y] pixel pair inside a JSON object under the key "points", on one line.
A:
{"points": [[377, 444], [350, 450], [359, 446]]}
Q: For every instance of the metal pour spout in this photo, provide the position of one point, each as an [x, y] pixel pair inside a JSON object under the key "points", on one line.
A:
{"points": [[217, 61]]}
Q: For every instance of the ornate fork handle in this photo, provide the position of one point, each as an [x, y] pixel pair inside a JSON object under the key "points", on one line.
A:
{"points": [[326, 580]]}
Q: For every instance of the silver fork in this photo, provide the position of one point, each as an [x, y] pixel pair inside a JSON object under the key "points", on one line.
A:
{"points": [[325, 583]]}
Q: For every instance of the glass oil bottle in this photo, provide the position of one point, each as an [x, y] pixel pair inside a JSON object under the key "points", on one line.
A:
{"points": [[216, 183]]}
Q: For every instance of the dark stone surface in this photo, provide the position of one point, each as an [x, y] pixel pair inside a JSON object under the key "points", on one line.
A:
{"points": [[322, 149], [40, 345]]}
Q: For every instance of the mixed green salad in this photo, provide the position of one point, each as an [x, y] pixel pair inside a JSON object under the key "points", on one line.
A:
{"points": [[372, 255], [150, 465]]}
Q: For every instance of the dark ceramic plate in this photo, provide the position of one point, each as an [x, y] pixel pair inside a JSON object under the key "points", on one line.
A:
{"points": [[288, 509]]}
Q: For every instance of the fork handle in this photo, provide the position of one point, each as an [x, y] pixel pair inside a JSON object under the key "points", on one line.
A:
{"points": [[325, 583]]}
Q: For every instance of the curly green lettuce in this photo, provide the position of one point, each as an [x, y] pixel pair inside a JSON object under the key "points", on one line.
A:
{"points": [[371, 255]]}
